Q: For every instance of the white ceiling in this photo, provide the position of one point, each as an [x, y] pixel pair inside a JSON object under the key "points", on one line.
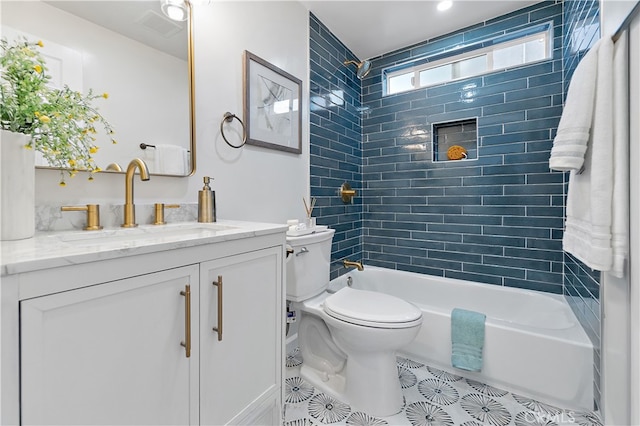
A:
{"points": [[371, 28]]}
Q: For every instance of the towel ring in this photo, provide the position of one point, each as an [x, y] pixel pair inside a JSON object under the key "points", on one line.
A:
{"points": [[228, 117]]}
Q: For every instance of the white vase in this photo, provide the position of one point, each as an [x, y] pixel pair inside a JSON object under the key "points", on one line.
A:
{"points": [[17, 187]]}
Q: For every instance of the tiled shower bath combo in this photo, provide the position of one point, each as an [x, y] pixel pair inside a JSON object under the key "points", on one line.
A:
{"points": [[496, 218]]}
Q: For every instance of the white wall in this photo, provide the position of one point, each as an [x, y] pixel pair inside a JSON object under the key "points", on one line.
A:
{"points": [[619, 382], [251, 183], [634, 92]]}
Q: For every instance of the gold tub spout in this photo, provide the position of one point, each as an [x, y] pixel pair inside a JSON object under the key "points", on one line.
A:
{"points": [[129, 207], [350, 264]]}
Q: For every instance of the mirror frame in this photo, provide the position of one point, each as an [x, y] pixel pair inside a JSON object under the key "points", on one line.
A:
{"points": [[192, 88], [192, 103]]}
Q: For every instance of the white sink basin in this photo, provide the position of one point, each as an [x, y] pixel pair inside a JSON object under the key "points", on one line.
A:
{"points": [[178, 231]]}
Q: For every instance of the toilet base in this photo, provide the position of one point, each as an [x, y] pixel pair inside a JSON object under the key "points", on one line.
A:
{"points": [[367, 383], [331, 384], [373, 385]]}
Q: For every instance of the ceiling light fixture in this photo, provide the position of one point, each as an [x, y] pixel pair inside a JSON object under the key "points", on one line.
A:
{"points": [[444, 5], [174, 9]]}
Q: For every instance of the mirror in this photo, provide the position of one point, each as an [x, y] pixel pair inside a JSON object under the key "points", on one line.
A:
{"points": [[134, 53]]}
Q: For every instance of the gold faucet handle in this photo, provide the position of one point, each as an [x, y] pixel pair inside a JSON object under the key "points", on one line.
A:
{"points": [[93, 215], [159, 208]]}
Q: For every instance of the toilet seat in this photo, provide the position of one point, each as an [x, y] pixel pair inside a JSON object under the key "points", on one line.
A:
{"points": [[371, 309]]}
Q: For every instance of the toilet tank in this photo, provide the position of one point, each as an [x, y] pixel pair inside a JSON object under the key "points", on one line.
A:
{"points": [[308, 265]]}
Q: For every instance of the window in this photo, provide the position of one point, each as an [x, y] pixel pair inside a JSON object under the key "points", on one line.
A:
{"points": [[505, 52]]}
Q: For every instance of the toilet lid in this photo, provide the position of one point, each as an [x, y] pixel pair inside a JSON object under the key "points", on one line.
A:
{"points": [[362, 307]]}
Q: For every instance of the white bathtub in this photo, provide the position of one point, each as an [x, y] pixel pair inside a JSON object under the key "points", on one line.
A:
{"points": [[534, 345]]}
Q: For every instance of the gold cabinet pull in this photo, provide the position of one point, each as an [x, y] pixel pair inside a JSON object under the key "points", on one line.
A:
{"points": [[187, 320], [218, 329]]}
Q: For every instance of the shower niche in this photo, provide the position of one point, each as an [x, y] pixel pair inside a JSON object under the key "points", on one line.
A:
{"points": [[455, 140]]}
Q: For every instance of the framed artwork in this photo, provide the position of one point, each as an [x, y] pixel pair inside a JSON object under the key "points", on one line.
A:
{"points": [[271, 106]]}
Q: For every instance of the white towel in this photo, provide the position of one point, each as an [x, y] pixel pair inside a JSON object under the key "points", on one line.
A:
{"points": [[570, 143], [598, 194], [171, 160]]}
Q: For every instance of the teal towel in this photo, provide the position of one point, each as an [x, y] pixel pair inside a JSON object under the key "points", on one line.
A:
{"points": [[467, 339]]}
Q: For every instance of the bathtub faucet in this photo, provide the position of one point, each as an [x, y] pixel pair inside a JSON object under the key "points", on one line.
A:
{"points": [[349, 264]]}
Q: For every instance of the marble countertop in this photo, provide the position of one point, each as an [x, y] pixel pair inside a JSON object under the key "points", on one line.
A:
{"points": [[55, 249]]}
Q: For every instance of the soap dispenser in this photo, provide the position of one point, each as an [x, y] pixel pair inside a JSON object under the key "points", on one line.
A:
{"points": [[206, 203]]}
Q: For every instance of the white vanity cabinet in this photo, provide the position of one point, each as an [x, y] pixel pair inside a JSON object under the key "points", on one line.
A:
{"points": [[110, 353], [105, 342], [240, 362]]}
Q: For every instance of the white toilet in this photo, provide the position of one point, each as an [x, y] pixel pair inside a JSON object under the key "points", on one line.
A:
{"points": [[348, 340]]}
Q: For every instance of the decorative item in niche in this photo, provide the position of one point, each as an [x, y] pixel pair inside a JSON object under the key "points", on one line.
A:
{"points": [[456, 152], [455, 140], [271, 106]]}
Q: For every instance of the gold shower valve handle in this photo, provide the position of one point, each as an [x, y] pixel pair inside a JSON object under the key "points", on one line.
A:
{"points": [[93, 215], [346, 193], [159, 212]]}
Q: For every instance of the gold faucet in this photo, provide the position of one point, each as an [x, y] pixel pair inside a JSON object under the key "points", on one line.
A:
{"points": [[350, 264], [129, 207]]}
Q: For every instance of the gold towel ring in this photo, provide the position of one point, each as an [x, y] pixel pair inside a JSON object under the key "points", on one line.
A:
{"points": [[228, 117]]}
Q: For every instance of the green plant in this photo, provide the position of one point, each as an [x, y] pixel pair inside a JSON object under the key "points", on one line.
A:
{"points": [[61, 122], [23, 82]]}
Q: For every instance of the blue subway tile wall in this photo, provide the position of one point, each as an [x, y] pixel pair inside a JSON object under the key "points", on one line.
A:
{"points": [[581, 31], [581, 284], [497, 219], [335, 141]]}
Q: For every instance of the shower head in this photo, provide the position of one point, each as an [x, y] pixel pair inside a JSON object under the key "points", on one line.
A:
{"points": [[363, 68]]}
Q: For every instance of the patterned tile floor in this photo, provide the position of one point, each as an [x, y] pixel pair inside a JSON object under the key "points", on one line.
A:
{"points": [[433, 398]]}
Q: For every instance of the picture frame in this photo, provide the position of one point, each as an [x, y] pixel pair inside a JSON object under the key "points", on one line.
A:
{"points": [[272, 99]]}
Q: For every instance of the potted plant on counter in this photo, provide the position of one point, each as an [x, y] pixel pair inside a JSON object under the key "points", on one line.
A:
{"points": [[58, 123]]}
